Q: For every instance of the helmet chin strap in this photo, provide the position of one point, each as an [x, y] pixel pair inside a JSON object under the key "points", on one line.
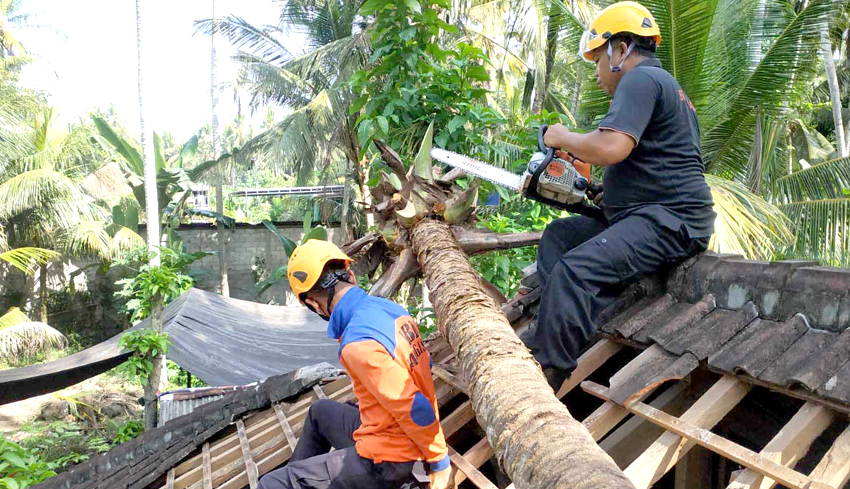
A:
{"points": [[619, 67]]}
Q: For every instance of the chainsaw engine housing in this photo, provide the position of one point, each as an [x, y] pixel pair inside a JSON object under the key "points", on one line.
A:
{"points": [[559, 180]]}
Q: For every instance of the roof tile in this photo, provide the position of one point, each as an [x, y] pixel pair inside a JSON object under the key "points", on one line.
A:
{"points": [[756, 347], [811, 360], [649, 314], [705, 337], [651, 368], [667, 331]]}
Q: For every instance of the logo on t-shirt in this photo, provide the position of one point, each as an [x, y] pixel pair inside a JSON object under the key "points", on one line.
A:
{"points": [[684, 98]]}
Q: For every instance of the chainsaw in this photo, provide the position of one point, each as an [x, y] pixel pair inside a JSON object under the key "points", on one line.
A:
{"points": [[553, 177]]}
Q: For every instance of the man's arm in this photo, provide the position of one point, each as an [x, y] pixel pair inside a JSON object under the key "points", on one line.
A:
{"points": [[600, 147], [393, 387], [619, 131]]}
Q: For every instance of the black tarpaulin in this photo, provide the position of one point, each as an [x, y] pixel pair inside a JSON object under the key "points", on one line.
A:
{"points": [[222, 341]]}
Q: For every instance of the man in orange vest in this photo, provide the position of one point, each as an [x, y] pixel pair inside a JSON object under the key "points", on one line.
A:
{"points": [[396, 422]]}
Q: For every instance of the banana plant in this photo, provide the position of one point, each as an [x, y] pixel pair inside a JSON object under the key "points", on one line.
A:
{"points": [[174, 180], [318, 232]]}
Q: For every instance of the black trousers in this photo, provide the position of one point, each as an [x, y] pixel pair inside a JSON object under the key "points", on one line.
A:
{"points": [[583, 265], [332, 424]]}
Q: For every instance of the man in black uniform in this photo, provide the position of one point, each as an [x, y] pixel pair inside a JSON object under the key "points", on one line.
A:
{"points": [[657, 205]]}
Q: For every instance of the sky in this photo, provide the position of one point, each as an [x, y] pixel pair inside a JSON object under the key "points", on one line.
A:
{"points": [[94, 63]]}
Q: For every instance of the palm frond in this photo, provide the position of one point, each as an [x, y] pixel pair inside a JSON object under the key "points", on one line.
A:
{"points": [[13, 317], [88, 238], [687, 27], [789, 61], [823, 230], [28, 338], [746, 223], [260, 41], [36, 188], [28, 259], [828, 180]]}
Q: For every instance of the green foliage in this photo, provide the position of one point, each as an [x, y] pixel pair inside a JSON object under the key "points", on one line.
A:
{"points": [[413, 81], [278, 274], [129, 430], [166, 280], [20, 468], [145, 345], [179, 378]]}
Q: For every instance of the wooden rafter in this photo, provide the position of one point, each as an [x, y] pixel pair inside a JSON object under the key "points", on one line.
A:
{"points": [[267, 438], [788, 446]]}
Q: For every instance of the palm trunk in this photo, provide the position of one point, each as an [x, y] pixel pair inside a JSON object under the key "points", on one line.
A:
{"points": [[151, 198], [530, 430], [834, 95], [551, 50], [219, 194], [343, 220], [42, 294], [155, 381]]}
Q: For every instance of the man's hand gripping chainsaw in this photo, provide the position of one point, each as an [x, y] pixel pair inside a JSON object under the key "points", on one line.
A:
{"points": [[553, 177]]}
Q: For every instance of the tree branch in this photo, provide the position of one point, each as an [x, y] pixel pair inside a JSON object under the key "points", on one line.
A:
{"points": [[393, 160], [354, 247], [390, 281], [476, 241]]}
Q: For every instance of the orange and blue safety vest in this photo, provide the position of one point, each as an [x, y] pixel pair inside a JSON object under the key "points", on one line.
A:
{"points": [[390, 370]]}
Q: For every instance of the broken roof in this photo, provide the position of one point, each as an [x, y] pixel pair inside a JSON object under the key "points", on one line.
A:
{"points": [[723, 324]]}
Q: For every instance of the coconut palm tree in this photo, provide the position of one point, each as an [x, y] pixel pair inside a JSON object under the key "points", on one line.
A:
{"points": [[219, 194], [159, 371], [318, 130], [43, 206]]}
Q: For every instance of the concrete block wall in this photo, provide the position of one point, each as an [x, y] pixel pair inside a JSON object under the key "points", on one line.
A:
{"points": [[246, 244]]}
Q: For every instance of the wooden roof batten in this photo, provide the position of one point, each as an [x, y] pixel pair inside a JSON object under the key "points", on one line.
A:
{"points": [[655, 413]]}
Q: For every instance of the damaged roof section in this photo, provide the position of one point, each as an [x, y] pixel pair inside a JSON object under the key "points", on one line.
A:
{"points": [[780, 324]]}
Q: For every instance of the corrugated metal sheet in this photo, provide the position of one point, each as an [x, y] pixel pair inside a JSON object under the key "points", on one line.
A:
{"points": [[174, 404]]}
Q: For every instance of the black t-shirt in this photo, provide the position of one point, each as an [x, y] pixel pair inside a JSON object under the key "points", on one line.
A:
{"points": [[663, 175]]}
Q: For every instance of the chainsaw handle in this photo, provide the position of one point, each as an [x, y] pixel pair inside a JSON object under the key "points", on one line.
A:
{"points": [[549, 152]]}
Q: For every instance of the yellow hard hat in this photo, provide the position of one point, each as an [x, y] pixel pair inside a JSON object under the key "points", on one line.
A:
{"points": [[307, 262], [620, 17]]}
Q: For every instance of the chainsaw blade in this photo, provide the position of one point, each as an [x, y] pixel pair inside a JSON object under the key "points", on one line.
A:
{"points": [[478, 168]]}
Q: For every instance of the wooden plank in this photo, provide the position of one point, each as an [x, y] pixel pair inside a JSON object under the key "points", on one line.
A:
{"points": [[231, 447], [834, 467], [250, 466], [477, 455], [188, 472], [449, 378], [457, 419], [636, 435], [609, 414], [789, 445], [169, 479], [669, 448], [207, 467], [588, 362], [477, 478], [319, 392], [604, 419], [284, 425], [709, 440]]}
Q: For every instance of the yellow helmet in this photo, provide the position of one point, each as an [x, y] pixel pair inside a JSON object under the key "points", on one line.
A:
{"points": [[307, 262], [620, 17]]}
